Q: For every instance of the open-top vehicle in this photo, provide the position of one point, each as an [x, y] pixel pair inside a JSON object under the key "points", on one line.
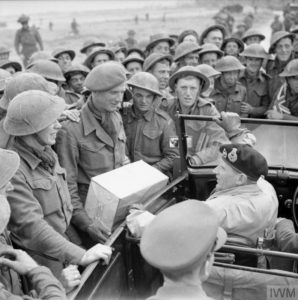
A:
{"points": [[128, 277]]}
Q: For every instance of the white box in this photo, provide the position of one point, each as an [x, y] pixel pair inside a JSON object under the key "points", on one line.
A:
{"points": [[111, 193]]}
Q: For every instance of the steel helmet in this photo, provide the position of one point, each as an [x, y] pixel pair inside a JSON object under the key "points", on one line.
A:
{"points": [[207, 70], [76, 69], [154, 58], [132, 57], [32, 111], [255, 50], [91, 43], [252, 32], [145, 81], [185, 33], [10, 162], [22, 82], [4, 75], [277, 36], [233, 39], [159, 37], [291, 69], [212, 28], [184, 49], [60, 51], [47, 69], [210, 48], [88, 61], [229, 63], [23, 19], [189, 71], [40, 55], [9, 63]]}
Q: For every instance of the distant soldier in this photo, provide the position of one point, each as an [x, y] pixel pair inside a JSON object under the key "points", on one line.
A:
{"points": [[130, 40], [28, 38], [74, 26], [51, 26], [276, 25]]}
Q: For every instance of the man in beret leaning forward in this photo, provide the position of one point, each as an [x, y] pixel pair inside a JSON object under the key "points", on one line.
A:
{"points": [[182, 250], [245, 203], [96, 144]]}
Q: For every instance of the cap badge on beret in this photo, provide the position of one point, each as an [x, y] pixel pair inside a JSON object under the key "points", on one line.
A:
{"points": [[232, 156]]}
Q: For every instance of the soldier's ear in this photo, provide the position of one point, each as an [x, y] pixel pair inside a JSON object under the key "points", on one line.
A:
{"points": [[241, 179]]}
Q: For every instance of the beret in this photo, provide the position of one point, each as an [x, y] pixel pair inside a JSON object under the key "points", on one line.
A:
{"points": [[181, 235], [105, 76], [245, 159]]}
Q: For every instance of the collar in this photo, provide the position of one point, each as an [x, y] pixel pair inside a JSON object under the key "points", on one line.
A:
{"points": [[261, 75], [219, 89], [147, 116], [28, 156], [88, 119]]}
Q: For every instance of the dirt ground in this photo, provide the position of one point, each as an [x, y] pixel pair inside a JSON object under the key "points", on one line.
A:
{"points": [[112, 26]]}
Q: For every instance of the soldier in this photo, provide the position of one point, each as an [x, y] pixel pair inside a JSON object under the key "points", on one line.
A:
{"points": [[133, 63], [75, 76], [89, 45], [40, 55], [276, 25], [28, 38], [188, 36], [232, 46], [294, 30], [204, 138], [41, 209], [96, 144], [74, 25], [211, 74], [241, 28], [228, 94], [285, 102], [255, 81], [253, 36], [98, 56], [18, 262], [64, 57], [148, 129], [187, 54], [160, 43], [120, 53], [130, 41], [214, 34], [21, 82], [176, 243], [210, 54], [4, 76], [244, 202], [11, 66], [136, 51], [159, 65], [282, 46]]}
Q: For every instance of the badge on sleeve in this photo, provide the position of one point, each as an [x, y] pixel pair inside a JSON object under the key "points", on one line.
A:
{"points": [[173, 142]]}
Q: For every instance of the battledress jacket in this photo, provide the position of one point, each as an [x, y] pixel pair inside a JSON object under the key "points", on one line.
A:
{"points": [[41, 211], [86, 150]]}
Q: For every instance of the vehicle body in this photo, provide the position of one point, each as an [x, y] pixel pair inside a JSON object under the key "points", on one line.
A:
{"points": [[129, 277]]}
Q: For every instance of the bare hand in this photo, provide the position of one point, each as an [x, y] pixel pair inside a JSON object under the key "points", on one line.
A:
{"points": [[246, 108], [18, 260], [73, 115], [273, 114], [98, 231], [230, 121], [95, 253], [70, 277]]}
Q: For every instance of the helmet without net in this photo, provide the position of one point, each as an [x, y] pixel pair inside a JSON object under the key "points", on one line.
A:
{"points": [[32, 111], [145, 81], [228, 63]]}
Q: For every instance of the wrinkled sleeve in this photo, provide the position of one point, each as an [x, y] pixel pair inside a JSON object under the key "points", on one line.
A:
{"points": [[28, 225], [287, 238], [216, 137], [43, 282], [68, 152], [169, 154]]}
